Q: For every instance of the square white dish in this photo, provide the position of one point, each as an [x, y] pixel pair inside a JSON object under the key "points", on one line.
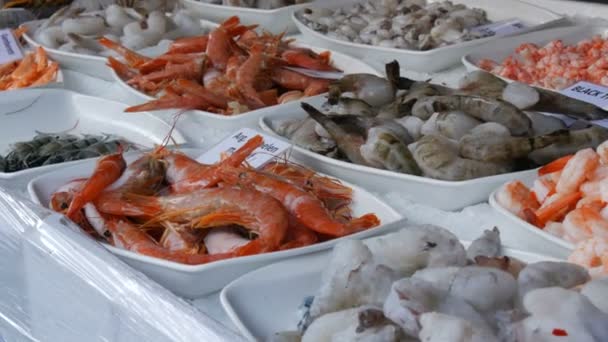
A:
{"points": [[505, 47], [274, 20], [23, 112], [445, 195], [195, 281], [87, 64], [266, 301], [534, 17], [528, 180], [346, 63]]}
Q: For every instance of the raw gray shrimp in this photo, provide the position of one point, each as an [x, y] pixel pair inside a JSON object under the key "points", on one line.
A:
{"points": [[52, 37], [439, 327], [384, 150], [580, 139], [84, 25], [350, 131], [349, 105], [508, 264], [545, 124], [488, 245], [482, 83], [455, 124], [413, 125], [485, 109], [438, 158], [374, 90], [302, 133], [500, 148], [549, 274]]}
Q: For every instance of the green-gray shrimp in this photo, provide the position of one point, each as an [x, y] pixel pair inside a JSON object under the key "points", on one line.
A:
{"points": [[482, 108], [438, 158], [496, 148], [384, 150], [590, 137]]}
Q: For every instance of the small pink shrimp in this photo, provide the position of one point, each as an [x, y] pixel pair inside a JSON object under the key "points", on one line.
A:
{"points": [[575, 173], [593, 254], [516, 197], [584, 223]]}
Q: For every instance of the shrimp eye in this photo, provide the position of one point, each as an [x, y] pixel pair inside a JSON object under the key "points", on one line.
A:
{"points": [[64, 206], [429, 245]]}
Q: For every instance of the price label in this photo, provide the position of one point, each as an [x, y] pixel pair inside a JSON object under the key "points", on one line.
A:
{"points": [[499, 28], [10, 50], [329, 75], [270, 149], [588, 92]]}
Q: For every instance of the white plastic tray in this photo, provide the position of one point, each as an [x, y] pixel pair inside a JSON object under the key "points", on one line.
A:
{"points": [[504, 47], [266, 301], [276, 20], [195, 281], [534, 17], [445, 195], [23, 112], [86, 64], [346, 63], [528, 180]]}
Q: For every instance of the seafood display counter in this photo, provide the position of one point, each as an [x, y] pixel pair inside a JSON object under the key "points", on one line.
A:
{"points": [[224, 181]]}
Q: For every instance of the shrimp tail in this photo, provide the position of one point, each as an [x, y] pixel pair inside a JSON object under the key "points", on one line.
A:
{"points": [[554, 166], [364, 222], [393, 74]]}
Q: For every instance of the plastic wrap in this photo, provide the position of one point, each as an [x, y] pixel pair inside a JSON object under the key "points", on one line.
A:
{"points": [[57, 284]]}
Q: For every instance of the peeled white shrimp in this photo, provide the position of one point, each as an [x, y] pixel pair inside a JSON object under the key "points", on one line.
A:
{"points": [[418, 247], [186, 26], [430, 126], [52, 37], [589, 252], [116, 16], [346, 326], [407, 299], [556, 311], [438, 327], [486, 289], [136, 37], [550, 273], [84, 25], [351, 279], [576, 170], [223, 241], [602, 151], [487, 245]]}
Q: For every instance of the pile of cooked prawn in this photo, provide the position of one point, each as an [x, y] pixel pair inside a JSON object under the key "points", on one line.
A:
{"points": [[229, 71], [568, 200], [483, 128], [421, 284], [34, 69], [169, 206]]}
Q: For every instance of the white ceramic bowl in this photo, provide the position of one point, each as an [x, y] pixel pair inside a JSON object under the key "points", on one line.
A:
{"points": [[266, 301], [87, 64], [528, 180], [23, 112], [445, 195], [534, 17], [348, 64], [275, 20], [505, 47], [195, 281]]}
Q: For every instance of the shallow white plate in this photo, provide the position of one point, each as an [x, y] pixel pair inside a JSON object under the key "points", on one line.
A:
{"points": [[528, 180], [346, 63], [504, 47], [23, 112], [535, 18], [275, 20], [445, 195], [195, 281], [266, 301], [87, 64]]}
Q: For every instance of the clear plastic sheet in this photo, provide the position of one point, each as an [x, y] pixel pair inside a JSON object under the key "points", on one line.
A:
{"points": [[57, 284]]}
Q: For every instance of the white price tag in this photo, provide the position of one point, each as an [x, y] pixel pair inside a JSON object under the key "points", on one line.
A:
{"points": [[588, 92], [10, 50], [329, 75], [270, 149], [499, 28]]}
